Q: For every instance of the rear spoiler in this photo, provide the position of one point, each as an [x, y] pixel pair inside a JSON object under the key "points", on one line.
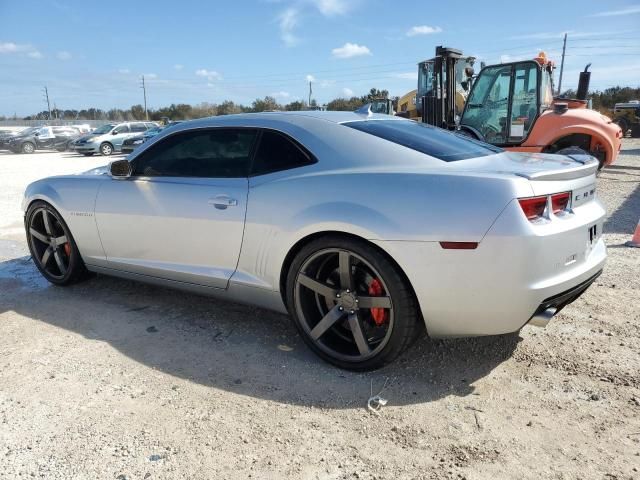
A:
{"points": [[587, 165]]}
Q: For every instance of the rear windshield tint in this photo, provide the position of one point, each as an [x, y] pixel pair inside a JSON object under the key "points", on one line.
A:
{"points": [[436, 142]]}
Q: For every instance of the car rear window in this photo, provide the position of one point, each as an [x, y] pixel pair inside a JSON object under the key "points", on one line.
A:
{"points": [[435, 142]]}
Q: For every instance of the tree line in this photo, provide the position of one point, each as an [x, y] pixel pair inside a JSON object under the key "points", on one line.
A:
{"points": [[602, 100], [183, 111]]}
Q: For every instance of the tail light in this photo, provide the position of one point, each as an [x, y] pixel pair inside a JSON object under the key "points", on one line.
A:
{"points": [[533, 207], [560, 201]]}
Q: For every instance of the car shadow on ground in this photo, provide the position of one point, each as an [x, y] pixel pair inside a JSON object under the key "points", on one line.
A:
{"points": [[238, 348]]}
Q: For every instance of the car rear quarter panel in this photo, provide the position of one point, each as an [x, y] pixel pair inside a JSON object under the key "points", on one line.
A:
{"points": [[74, 198], [375, 206]]}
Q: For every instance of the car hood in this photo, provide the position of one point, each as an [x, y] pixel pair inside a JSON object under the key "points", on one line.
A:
{"points": [[103, 170]]}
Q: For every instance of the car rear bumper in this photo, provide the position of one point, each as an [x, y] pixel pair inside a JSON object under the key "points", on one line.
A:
{"points": [[517, 269]]}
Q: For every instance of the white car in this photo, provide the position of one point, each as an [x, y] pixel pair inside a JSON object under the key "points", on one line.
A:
{"points": [[108, 138]]}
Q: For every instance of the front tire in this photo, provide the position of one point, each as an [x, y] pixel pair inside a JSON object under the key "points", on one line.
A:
{"points": [[28, 147], [106, 149], [351, 304], [52, 247]]}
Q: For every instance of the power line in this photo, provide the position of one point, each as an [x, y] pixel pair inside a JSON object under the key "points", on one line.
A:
{"points": [[46, 94]]}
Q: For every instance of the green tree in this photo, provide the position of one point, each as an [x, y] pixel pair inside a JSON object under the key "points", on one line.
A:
{"points": [[266, 104], [295, 106]]}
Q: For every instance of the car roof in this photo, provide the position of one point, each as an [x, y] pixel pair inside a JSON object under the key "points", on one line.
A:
{"points": [[288, 117]]}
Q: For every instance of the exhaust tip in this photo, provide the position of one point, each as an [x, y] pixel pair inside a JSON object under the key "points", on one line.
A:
{"points": [[543, 318]]}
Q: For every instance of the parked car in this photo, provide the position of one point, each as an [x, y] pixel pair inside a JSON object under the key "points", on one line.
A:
{"points": [[7, 134], [130, 144], [108, 138], [42, 138], [364, 228]]}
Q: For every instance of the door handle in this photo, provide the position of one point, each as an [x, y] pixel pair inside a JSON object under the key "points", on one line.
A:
{"points": [[223, 201]]}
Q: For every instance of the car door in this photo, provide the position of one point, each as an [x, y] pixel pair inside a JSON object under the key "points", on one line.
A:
{"points": [[119, 134], [44, 138], [180, 216]]}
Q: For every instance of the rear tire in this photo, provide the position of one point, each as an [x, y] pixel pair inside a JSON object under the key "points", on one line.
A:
{"points": [[351, 328], [579, 151], [52, 247]]}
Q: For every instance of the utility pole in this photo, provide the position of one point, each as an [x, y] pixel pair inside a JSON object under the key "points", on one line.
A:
{"points": [[46, 94], [564, 48], [310, 92], [144, 91]]}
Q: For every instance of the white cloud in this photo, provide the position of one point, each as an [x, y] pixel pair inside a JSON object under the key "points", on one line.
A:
{"points": [[347, 92], [29, 50], [281, 94], [124, 71], [177, 66], [350, 50], [150, 76], [407, 75], [63, 55], [422, 30], [310, 78], [329, 8], [209, 74], [616, 13], [288, 20]]}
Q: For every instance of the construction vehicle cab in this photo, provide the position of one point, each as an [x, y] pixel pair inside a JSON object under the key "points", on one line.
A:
{"points": [[506, 100], [382, 105]]}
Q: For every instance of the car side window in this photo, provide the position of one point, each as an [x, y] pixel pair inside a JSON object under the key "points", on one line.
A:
{"points": [[138, 127], [209, 153], [277, 152], [121, 129]]}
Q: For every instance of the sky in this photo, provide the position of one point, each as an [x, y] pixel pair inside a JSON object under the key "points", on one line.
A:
{"points": [[93, 54]]}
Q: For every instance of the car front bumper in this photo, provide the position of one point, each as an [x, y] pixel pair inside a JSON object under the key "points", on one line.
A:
{"points": [[87, 148], [517, 271]]}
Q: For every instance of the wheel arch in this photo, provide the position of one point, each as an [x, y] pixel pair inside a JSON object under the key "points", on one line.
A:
{"points": [[302, 242], [586, 136]]}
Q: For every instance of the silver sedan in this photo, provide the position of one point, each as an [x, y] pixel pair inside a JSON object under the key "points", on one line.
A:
{"points": [[365, 228]]}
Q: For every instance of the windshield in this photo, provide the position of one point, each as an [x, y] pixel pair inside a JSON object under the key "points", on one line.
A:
{"points": [[29, 131], [424, 138], [103, 129]]}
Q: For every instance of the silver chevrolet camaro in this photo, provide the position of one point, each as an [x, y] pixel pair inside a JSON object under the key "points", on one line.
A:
{"points": [[364, 228]]}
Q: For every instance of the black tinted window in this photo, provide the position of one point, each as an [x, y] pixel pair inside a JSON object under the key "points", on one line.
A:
{"points": [[138, 127], [424, 138], [199, 153], [277, 152]]}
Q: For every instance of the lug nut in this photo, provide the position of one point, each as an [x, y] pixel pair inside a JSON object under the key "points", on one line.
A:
{"points": [[352, 312], [340, 308], [337, 295]]}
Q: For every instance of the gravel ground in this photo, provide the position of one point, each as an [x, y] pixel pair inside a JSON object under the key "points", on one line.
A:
{"points": [[111, 379]]}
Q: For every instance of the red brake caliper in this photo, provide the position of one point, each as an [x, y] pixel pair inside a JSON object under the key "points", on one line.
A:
{"points": [[67, 249], [379, 315]]}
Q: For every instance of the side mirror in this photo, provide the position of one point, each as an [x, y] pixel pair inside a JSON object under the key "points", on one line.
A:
{"points": [[120, 169], [115, 132], [36, 134]]}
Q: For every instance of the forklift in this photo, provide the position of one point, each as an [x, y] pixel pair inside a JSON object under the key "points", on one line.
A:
{"points": [[443, 86], [511, 105]]}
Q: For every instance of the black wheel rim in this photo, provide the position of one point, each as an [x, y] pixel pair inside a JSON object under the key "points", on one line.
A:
{"points": [[49, 243], [27, 148], [337, 308]]}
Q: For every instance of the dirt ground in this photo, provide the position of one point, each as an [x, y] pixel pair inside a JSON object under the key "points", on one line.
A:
{"points": [[112, 379]]}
